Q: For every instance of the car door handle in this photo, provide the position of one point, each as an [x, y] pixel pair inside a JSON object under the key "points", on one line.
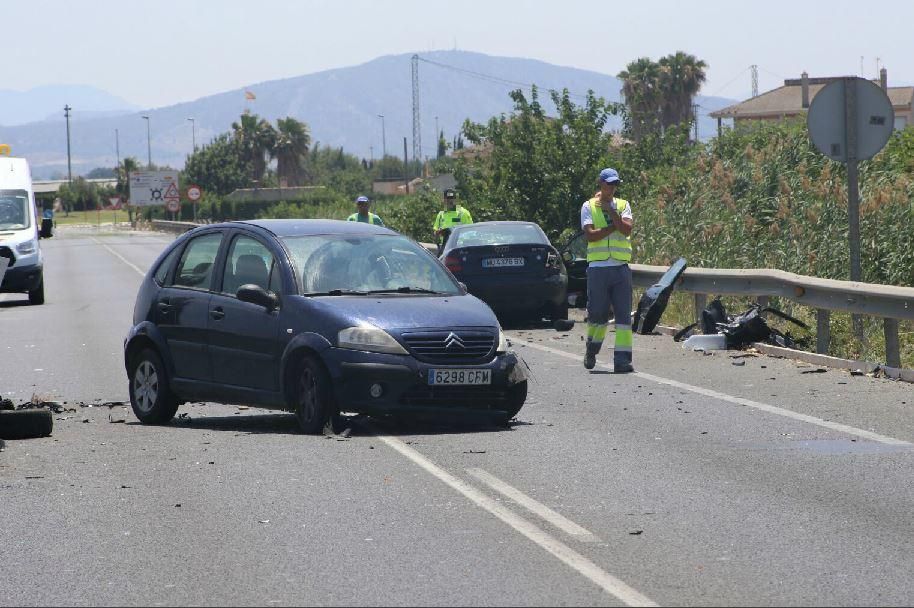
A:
{"points": [[217, 313], [164, 307]]}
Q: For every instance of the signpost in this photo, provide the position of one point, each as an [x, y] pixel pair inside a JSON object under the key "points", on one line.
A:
{"points": [[851, 120], [153, 187], [194, 194]]}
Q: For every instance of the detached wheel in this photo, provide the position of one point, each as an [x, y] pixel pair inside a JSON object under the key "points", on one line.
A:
{"points": [[25, 424], [313, 396], [150, 396], [36, 296]]}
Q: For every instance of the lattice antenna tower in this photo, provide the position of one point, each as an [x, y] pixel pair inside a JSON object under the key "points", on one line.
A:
{"points": [[417, 120], [754, 69]]}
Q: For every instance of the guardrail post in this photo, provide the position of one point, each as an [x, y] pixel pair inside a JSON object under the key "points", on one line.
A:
{"points": [[823, 331], [892, 349], [701, 302]]}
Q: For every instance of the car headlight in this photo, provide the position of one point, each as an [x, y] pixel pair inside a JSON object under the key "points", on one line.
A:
{"points": [[27, 247], [369, 338], [502, 342]]}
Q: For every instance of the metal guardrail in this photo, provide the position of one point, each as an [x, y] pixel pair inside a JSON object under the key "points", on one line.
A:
{"points": [[888, 302]]}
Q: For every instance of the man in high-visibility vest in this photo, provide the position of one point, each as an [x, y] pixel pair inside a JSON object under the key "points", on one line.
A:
{"points": [[607, 224], [364, 215], [453, 215]]}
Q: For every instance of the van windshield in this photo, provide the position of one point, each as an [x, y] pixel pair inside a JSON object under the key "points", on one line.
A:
{"points": [[14, 210]]}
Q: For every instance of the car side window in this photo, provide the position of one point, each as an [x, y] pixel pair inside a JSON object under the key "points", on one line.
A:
{"points": [[196, 266], [578, 247], [161, 275], [250, 262]]}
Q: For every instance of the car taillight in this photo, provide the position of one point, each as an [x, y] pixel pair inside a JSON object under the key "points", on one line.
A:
{"points": [[453, 263], [553, 260]]}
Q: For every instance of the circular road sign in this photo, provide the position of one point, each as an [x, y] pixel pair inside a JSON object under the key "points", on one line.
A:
{"points": [[173, 206], [194, 193], [875, 119]]}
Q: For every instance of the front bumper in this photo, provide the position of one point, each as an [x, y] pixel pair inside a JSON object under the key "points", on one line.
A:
{"points": [[404, 384], [20, 279]]}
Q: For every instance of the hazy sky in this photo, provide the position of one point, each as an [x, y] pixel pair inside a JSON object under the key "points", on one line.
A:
{"points": [[159, 52]]}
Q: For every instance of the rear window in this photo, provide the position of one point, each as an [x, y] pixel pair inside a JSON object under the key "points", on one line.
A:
{"points": [[500, 234], [14, 210]]}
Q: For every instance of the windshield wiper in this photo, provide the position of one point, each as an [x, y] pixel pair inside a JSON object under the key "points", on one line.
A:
{"points": [[406, 289], [338, 292]]}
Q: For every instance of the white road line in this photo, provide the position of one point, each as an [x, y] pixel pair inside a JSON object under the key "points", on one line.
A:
{"points": [[537, 508], [120, 257], [771, 409], [568, 556]]}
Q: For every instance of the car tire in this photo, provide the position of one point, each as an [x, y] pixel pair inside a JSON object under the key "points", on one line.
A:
{"points": [[36, 296], [150, 394], [560, 312], [313, 396], [25, 424], [517, 396]]}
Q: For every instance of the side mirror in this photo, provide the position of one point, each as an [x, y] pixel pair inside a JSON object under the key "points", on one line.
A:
{"points": [[567, 257], [47, 228], [255, 294]]}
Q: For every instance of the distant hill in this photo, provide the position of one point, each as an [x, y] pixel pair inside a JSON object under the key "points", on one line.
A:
{"points": [[47, 102], [341, 106]]}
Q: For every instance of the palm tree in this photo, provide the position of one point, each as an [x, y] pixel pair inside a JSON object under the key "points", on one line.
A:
{"points": [[290, 148], [641, 87], [256, 137], [681, 77]]}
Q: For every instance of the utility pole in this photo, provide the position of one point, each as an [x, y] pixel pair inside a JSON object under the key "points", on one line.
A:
{"points": [[148, 145], [383, 137], [405, 167], [371, 152], [754, 69], [417, 120], [695, 119], [117, 150], [193, 133], [66, 113]]}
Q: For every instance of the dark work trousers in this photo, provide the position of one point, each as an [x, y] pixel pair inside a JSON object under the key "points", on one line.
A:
{"points": [[610, 285]]}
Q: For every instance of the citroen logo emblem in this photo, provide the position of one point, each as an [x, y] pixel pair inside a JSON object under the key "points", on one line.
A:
{"points": [[453, 341]]}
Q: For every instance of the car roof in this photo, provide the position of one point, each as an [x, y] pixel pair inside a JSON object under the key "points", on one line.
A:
{"points": [[295, 227]]}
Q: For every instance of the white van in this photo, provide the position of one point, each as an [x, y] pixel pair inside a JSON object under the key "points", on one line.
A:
{"points": [[19, 229]]}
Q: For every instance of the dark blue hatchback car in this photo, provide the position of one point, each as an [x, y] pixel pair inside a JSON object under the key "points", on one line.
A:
{"points": [[314, 317]]}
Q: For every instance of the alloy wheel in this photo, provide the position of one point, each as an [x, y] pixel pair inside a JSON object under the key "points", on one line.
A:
{"points": [[145, 386]]}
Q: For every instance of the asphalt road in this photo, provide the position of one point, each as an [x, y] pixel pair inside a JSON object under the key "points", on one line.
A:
{"points": [[692, 482]]}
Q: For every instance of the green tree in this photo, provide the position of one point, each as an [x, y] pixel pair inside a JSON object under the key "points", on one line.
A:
{"points": [[641, 88], [442, 146], [293, 140], [219, 167], [256, 139], [681, 77]]}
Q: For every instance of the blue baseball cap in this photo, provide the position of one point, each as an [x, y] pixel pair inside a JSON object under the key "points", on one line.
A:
{"points": [[609, 176], [362, 199]]}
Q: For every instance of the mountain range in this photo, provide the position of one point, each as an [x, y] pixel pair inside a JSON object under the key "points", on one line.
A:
{"points": [[341, 106]]}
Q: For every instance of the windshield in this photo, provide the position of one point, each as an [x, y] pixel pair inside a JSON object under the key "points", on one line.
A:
{"points": [[14, 210], [337, 264], [499, 234]]}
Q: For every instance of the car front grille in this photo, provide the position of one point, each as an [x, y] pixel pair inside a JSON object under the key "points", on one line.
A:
{"points": [[6, 252], [482, 398], [451, 348]]}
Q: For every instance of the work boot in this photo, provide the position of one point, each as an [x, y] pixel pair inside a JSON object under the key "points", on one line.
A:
{"points": [[623, 368], [590, 357]]}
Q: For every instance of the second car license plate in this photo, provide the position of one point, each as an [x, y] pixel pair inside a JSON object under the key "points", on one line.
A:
{"points": [[460, 376], [501, 262]]}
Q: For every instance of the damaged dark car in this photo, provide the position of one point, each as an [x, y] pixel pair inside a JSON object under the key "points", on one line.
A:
{"points": [[315, 317]]}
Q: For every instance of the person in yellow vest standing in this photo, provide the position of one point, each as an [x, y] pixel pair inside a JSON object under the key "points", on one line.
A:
{"points": [[364, 215], [607, 224], [453, 215]]}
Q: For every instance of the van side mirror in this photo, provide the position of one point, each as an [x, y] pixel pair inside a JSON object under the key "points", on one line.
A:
{"points": [[47, 228]]}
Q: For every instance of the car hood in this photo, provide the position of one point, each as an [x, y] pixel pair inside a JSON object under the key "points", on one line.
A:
{"points": [[402, 312]]}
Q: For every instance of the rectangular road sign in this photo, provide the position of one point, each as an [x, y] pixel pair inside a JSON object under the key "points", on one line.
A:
{"points": [[152, 187]]}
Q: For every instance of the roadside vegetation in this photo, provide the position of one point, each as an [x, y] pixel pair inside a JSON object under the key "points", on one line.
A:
{"points": [[761, 197]]}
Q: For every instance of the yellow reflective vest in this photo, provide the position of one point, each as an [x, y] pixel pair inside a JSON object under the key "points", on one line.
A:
{"points": [[616, 246], [372, 219], [447, 219]]}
